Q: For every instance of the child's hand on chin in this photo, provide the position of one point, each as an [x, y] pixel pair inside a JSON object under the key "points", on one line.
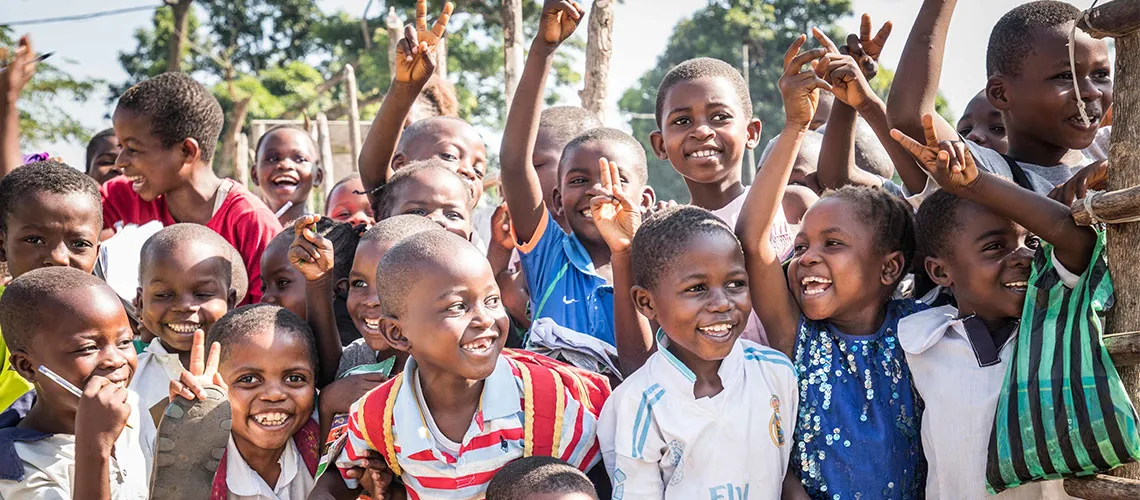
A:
{"points": [[202, 371], [416, 52], [948, 162], [102, 413], [800, 88], [615, 216]]}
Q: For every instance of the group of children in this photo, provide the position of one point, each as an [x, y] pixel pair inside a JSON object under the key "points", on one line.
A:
{"points": [[826, 332]]}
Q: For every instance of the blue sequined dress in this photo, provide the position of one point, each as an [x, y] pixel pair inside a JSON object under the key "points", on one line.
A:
{"points": [[857, 433]]}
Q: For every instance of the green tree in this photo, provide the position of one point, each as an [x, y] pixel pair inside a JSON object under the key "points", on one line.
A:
{"points": [[152, 50], [42, 118], [719, 30]]}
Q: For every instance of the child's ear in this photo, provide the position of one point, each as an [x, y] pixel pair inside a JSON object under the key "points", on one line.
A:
{"points": [[643, 301], [24, 365], [394, 334], [648, 198], [936, 269], [319, 176], [137, 301], [4, 253], [755, 126], [657, 140], [893, 269], [340, 288], [556, 198], [191, 152], [253, 175], [995, 92], [398, 160], [231, 299]]}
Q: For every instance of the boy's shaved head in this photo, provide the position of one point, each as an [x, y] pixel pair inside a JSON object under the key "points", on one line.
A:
{"points": [[562, 124], [36, 298], [1012, 37], [431, 126], [664, 235], [402, 265], [538, 475], [388, 195], [44, 177], [164, 242], [702, 67], [178, 107], [398, 227], [937, 223], [246, 321], [611, 136]]}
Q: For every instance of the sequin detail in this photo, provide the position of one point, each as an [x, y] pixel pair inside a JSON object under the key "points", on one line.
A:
{"points": [[857, 432]]}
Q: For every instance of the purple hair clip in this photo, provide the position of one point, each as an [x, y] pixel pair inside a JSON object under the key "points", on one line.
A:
{"points": [[36, 157]]}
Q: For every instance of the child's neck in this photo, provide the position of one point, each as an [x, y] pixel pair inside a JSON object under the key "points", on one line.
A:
{"points": [[716, 195], [864, 321], [1026, 149], [194, 201], [45, 417], [707, 373], [600, 256], [266, 463], [452, 401], [294, 212]]}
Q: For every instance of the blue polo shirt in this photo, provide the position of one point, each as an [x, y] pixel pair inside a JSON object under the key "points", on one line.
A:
{"points": [[563, 285]]}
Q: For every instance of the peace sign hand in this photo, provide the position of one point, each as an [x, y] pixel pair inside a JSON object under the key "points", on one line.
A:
{"points": [[948, 162], [798, 87], [615, 216], [872, 47], [416, 52], [559, 19], [202, 371]]}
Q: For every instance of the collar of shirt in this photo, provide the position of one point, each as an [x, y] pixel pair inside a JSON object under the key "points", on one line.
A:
{"points": [[576, 252], [500, 399], [680, 376], [921, 331], [242, 480], [167, 360]]}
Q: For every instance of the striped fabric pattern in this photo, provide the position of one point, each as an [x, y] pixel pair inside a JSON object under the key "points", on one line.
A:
{"points": [[1063, 410]]}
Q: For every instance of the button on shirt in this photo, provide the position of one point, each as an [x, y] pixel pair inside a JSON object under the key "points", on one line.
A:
{"points": [[156, 368], [660, 442], [563, 284], [244, 483]]}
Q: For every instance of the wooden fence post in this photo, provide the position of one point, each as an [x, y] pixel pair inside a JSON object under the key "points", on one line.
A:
{"points": [[353, 119], [512, 47], [599, 48]]}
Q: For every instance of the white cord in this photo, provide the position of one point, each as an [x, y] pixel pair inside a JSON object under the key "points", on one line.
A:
{"points": [[1073, 65]]}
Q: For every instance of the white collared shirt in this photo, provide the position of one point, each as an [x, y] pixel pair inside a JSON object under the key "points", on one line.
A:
{"points": [[49, 466], [961, 398], [156, 368], [294, 482], [659, 442]]}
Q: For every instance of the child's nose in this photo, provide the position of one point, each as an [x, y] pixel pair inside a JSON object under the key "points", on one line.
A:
{"points": [[58, 256], [702, 131], [719, 302], [1023, 256], [1089, 90]]}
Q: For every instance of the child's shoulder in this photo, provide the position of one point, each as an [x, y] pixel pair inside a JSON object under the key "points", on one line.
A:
{"points": [[921, 330], [535, 372], [760, 356], [242, 206]]}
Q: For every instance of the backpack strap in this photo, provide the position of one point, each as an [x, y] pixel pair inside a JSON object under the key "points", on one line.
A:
{"points": [[381, 402], [1019, 175], [544, 403]]}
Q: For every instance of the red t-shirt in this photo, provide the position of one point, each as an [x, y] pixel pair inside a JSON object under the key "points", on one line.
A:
{"points": [[243, 220]]}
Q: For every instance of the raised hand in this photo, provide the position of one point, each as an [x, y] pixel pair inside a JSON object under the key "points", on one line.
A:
{"points": [[102, 413], [501, 228], [1092, 177], [559, 19], [872, 48], [842, 72], [948, 162], [310, 253], [799, 87], [19, 70], [203, 371], [615, 216], [416, 52]]}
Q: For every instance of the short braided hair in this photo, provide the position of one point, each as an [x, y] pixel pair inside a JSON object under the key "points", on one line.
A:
{"points": [[890, 219], [665, 234], [178, 108], [45, 177]]}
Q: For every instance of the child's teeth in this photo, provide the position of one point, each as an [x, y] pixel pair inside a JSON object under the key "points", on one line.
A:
{"points": [[183, 327], [275, 418], [1017, 284], [373, 324], [478, 345]]}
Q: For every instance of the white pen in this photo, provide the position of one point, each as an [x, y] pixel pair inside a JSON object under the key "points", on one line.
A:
{"points": [[64, 384], [284, 208]]}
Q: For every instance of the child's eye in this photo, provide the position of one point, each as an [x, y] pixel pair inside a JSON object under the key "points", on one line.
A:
{"points": [[448, 157], [696, 288], [998, 129], [577, 180], [246, 379], [82, 244], [683, 121], [272, 159], [1033, 242], [1068, 75], [417, 211], [342, 214], [493, 302], [301, 160], [283, 283], [1103, 74], [736, 284], [995, 246], [162, 295], [454, 216], [204, 295], [721, 116], [358, 284], [35, 240], [799, 249], [295, 379], [964, 131], [457, 307], [479, 171], [833, 243]]}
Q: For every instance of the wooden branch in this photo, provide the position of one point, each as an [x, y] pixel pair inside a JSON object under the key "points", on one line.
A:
{"points": [[1101, 487], [1124, 349], [1113, 205], [1115, 19]]}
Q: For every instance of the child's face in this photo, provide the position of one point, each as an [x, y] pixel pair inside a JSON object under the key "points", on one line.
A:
{"points": [[102, 167], [456, 143], [52, 230], [582, 180], [438, 196], [152, 168], [363, 304], [545, 159], [982, 123], [272, 388], [91, 337], [701, 301], [284, 169], [987, 265], [704, 132], [345, 205], [1039, 103], [837, 270], [281, 283], [184, 292], [454, 321]]}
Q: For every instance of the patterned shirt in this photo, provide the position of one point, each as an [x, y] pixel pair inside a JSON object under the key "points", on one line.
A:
{"points": [[857, 435]]}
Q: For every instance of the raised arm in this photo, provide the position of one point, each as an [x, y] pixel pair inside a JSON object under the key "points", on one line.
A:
{"points": [[12, 80], [521, 187], [415, 63], [921, 63], [312, 256], [772, 301], [952, 166]]}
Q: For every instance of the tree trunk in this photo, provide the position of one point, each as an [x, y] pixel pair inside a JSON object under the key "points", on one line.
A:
{"points": [[441, 59], [512, 46], [230, 139], [395, 33], [599, 47], [178, 38], [325, 143], [241, 160], [353, 122]]}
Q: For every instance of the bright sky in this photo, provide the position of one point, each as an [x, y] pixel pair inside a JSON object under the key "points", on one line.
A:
{"points": [[642, 27]]}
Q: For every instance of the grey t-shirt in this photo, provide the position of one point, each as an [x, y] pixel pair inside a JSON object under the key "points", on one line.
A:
{"points": [[355, 354], [1044, 179]]}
